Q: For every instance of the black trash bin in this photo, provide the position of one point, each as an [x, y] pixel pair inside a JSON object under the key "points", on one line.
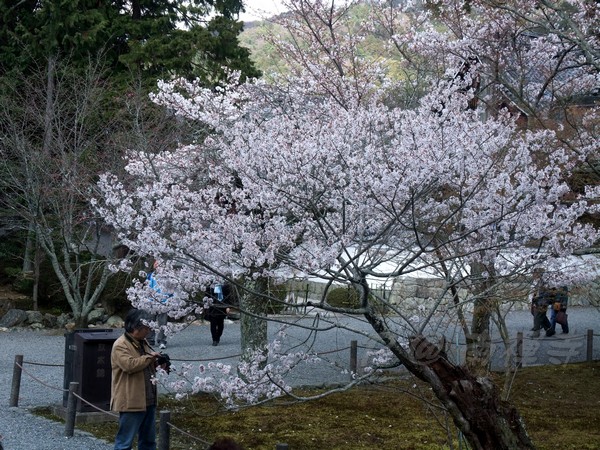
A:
{"points": [[87, 362]]}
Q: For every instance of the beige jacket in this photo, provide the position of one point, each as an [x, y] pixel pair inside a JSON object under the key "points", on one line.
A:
{"points": [[128, 390]]}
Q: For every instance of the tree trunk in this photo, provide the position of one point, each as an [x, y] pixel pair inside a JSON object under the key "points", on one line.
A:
{"points": [[50, 104], [474, 403], [479, 340], [253, 323], [486, 421], [81, 322], [36, 275], [28, 256]]}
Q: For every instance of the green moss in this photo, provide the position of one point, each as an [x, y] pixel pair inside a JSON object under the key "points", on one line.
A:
{"points": [[560, 406]]}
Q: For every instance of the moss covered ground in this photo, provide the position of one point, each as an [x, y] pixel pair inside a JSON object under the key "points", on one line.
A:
{"points": [[560, 405]]}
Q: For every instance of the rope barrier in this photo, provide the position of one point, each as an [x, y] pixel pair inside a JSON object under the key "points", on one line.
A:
{"points": [[570, 338], [513, 340], [188, 434], [207, 359], [109, 413], [220, 358], [63, 390], [239, 355], [70, 421], [40, 381], [21, 365], [332, 351], [43, 364]]}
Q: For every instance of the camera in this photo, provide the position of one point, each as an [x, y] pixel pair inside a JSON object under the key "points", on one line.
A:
{"points": [[165, 361]]}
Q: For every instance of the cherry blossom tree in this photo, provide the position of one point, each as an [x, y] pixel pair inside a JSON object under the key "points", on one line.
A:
{"points": [[325, 172]]}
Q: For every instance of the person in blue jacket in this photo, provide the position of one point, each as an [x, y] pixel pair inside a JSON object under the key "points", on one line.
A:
{"points": [[158, 338]]}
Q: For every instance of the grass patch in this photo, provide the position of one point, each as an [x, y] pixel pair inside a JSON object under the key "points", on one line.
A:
{"points": [[560, 405]]}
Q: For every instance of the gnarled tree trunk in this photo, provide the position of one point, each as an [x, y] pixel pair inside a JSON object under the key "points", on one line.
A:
{"points": [[486, 421], [474, 403]]}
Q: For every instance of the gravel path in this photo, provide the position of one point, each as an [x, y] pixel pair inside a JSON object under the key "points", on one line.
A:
{"points": [[21, 430], [44, 352]]}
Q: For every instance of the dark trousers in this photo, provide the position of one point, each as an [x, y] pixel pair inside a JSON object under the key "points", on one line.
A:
{"points": [[540, 320], [217, 323], [565, 326]]}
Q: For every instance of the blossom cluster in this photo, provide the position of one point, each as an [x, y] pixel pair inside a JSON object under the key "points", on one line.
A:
{"points": [[260, 377]]}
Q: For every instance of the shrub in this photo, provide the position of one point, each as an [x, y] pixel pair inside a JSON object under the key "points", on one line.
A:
{"points": [[344, 297], [347, 297]]}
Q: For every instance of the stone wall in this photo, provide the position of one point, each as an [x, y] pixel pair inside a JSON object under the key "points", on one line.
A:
{"points": [[410, 293], [36, 320]]}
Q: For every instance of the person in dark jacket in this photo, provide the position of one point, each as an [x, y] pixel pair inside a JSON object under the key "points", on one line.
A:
{"points": [[541, 298], [559, 308], [216, 311]]}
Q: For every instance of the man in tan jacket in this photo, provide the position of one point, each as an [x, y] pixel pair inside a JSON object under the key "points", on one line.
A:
{"points": [[133, 393]]}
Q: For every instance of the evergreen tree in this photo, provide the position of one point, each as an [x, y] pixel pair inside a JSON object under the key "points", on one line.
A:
{"points": [[157, 38]]}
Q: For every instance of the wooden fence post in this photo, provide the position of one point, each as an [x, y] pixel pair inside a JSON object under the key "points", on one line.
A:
{"points": [[164, 430], [16, 381], [590, 345], [306, 297], [519, 352], [353, 356], [71, 409]]}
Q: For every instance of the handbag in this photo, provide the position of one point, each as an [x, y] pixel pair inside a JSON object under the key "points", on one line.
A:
{"points": [[561, 317]]}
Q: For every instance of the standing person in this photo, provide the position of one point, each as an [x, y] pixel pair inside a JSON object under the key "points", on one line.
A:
{"points": [[159, 337], [536, 286], [542, 297], [216, 311], [133, 394], [558, 313]]}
